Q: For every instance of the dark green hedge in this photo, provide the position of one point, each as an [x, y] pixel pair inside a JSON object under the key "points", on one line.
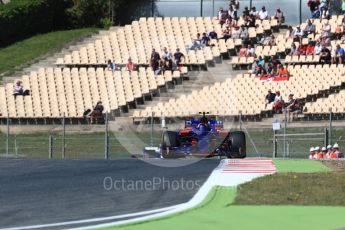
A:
{"points": [[23, 18]]}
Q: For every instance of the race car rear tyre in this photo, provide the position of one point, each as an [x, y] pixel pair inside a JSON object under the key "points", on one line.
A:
{"points": [[238, 145], [169, 140]]}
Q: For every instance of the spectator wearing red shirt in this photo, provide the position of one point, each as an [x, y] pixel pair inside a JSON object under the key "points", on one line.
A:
{"points": [[243, 51], [302, 49], [310, 49], [130, 65]]}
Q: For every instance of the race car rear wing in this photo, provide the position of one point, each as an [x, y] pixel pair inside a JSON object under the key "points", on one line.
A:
{"points": [[211, 123]]}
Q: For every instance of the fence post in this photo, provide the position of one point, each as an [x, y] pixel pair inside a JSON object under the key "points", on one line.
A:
{"points": [[151, 136], [326, 137], [300, 11], [7, 137], [15, 146], [285, 126], [274, 144], [330, 127], [50, 146], [106, 138], [63, 136], [240, 120], [201, 7]]}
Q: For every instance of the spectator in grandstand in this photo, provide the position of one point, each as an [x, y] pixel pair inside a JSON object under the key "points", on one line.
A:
{"points": [[312, 153], [154, 60], [130, 65], [298, 35], [236, 33], [19, 90], [260, 71], [232, 13], [235, 4], [310, 49], [258, 61], [227, 33], [205, 40], [314, 8], [272, 41], [213, 34], [302, 50], [325, 55], [283, 71], [326, 30], [270, 70], [317, 48], [324, 8], [244, 34], [250, 51], [245, 12], [310, 28], [277, 103], [263, 14], [161, 67], [254, 12], [243, 51], [279, 15], [337, 151], [261, 61], [222, 15], [168, 65], [339, 55], [166, 55], [196, 43], [269, 97], [267, 40], [96, 112], [292, 107], [178, 57], [111, 66], [338, 31], [275, 62]]}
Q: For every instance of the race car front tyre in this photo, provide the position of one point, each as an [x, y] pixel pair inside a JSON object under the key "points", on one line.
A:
{"points": [[169, 140], [238, 145]]}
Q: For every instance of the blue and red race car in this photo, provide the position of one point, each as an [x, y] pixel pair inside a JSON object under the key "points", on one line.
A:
{"points": [[202, 138]]}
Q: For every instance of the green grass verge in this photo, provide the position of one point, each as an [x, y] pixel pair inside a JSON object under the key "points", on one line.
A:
{"points": [[217, 214], [302, 166], [14, 57], [294, 189]]}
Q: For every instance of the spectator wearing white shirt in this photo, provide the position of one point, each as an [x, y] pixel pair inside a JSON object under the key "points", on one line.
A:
{"points": [[326, 30], [254, 12], [318, 48], [166, 55], [263, 14], [298, 34], [250, 51]]}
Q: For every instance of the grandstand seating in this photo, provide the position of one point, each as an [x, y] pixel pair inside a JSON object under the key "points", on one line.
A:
{"points": [[57, 92], [81, 80], [245, 93], [138, 39]]}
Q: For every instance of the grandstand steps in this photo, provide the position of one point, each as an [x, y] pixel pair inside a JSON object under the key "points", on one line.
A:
{"points": [[196, 81]]}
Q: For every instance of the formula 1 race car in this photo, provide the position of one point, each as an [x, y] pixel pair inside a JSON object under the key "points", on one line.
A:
{"points": [[201, 138]]}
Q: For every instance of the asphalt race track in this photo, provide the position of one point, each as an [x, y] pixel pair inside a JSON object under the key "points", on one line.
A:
{"points": [[36, 192]]}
